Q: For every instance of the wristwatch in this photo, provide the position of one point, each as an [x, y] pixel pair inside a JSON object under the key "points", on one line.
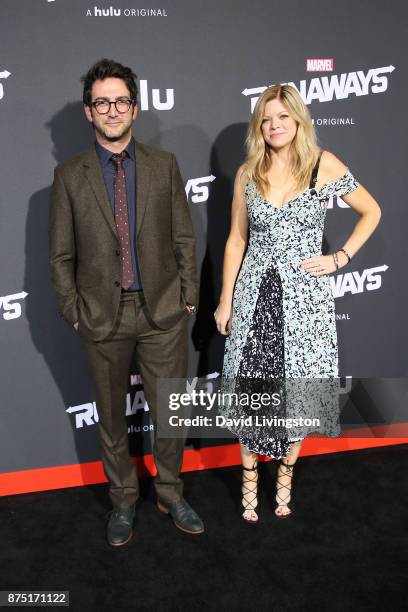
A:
{"points": [[192, 310]]}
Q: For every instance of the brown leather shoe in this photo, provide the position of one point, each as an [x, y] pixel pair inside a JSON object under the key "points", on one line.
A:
{"points": [[184, 517], [120, 525]]}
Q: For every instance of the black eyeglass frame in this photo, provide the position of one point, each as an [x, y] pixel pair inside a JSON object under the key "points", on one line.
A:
{"points": [[129, 101]]}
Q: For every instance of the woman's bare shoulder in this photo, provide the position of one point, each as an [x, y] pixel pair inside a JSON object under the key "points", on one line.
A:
{"points": [[241, 177], [331, 168]]}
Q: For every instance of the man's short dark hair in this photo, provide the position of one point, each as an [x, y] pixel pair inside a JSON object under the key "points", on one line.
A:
{"points": [[104, 69]]}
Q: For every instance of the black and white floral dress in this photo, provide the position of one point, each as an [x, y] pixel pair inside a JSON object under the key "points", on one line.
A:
{"points": [[283, 322]]}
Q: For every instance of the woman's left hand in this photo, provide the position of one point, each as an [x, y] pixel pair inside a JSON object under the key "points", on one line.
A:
{"points": [[321, 264]]}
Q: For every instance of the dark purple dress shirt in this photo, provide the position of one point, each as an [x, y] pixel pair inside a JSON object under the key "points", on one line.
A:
{"points": [[108, 171]]}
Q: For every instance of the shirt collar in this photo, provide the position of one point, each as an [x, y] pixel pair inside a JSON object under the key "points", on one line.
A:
{"points": [[105, 155]]}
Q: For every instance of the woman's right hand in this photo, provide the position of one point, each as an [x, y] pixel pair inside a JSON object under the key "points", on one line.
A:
{"points": [[223, 318]]}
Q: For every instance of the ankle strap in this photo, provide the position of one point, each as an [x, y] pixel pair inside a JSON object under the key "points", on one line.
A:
{"points": [[290, 465]]}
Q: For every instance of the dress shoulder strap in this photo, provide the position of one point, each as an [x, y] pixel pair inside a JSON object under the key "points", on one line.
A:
{"points": [[315, 170]]}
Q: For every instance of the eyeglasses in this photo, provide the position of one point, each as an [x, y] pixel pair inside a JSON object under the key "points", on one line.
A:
{"points": [[102, 106]]}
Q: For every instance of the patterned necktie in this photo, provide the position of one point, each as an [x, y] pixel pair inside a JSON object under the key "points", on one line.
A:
{"points": [[122, 219]]}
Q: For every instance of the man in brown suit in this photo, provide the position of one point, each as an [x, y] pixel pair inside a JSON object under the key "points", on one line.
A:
{"points": [[122, 257]]}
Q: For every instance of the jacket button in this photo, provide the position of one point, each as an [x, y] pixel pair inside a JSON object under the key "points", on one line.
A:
{"points": [[117, 252], [117, 284]]}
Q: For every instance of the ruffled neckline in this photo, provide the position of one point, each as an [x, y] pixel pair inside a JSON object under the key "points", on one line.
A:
{"points": [[319, 192]]}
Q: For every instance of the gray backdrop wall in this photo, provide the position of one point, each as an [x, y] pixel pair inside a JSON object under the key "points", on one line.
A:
{"points": [[201, 66]]}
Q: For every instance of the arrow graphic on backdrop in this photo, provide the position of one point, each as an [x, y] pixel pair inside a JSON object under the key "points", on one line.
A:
{"points": [[199, 188], [10, 305], [3, 75], [253, 91]]}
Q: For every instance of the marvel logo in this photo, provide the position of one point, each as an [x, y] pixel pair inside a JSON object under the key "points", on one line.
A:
{"points": [[320, 65]]}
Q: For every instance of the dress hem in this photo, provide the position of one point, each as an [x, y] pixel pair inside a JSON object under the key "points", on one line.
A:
{"points": [[259, 452]]}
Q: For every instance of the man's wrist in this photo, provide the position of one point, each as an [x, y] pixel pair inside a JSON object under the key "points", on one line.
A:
{"points": [[192, 309]]}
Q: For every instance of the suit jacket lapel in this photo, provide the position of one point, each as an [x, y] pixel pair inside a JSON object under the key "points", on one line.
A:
{"points": [[95, 177], [143, 171]]}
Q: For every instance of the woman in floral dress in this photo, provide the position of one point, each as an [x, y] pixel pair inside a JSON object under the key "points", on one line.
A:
{"points": [[276, 305]]}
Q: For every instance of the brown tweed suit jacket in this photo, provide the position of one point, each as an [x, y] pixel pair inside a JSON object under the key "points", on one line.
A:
{"points": [[84, 248]]}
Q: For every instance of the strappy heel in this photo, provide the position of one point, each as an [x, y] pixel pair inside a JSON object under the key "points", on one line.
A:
{"points": [[283, 491], [250, 492]]}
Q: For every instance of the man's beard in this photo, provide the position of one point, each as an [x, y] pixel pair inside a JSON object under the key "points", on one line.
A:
{"points": [[100, 129]]}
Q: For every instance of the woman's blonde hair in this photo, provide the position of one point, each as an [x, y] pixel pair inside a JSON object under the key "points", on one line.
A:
{"points": [[304, 148]]}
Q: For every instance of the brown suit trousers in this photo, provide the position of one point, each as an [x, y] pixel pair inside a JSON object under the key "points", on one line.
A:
{"points": [[160, 354]]}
